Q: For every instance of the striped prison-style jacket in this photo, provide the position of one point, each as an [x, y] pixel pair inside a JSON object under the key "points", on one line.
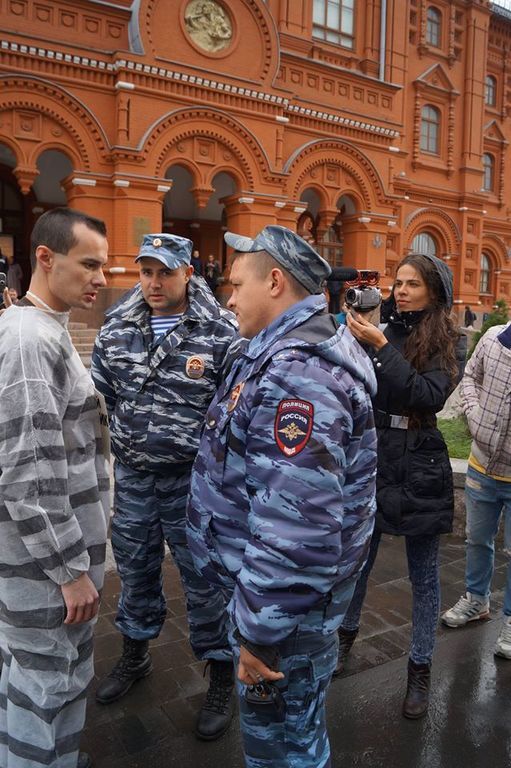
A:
{"points": [[54, 477]]}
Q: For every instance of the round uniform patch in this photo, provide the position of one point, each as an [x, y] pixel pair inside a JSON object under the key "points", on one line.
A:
{"points": [[195, 367], [293, 425]]}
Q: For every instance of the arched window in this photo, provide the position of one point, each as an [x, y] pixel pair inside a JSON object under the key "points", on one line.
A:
{"points": [[488, 172], [430, 130], [484, 279], [490, 91], [434, 27], [424, 243], [333, 21]]}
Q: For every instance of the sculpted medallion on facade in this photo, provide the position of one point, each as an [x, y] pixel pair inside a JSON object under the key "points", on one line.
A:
{"points": [[208, 25]]}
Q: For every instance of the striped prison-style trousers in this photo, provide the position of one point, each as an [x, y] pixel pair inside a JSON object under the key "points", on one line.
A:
{"points": [[43, 682]]}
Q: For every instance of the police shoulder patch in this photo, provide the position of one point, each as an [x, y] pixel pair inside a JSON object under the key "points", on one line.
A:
{"points": [[293, 425]]}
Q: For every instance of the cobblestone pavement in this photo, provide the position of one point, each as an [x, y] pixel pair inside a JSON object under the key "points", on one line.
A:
{"points": [[152, 726]]}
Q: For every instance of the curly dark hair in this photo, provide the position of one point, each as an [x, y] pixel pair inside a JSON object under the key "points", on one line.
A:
{"points": [[437, 333]]}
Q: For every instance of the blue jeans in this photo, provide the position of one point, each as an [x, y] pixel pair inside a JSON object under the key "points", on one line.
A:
{"points": [[422, 554], [486, 501]]}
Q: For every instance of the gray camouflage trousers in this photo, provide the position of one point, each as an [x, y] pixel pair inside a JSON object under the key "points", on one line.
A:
{"points": [[150, 509], [308, 660]]}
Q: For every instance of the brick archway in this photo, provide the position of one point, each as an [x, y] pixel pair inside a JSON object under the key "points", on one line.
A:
{"points": [[337, 168], [38, 115], [209, 140], [441, 226]]}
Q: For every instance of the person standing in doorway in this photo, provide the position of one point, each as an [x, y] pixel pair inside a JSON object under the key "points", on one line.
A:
{"points": [[196, 263], [14, 275], [4, 264], [212, 272]]}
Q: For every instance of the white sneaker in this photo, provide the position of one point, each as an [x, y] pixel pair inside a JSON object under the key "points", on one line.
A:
{"points": [[503, 644], [467, 609]]}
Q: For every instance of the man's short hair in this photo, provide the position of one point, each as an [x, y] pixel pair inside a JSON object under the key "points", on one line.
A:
{"points": [[263, 263], [54, 229]]}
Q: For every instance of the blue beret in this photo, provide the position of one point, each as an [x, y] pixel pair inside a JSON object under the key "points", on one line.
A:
{"points": [[172, 250], [291, 251]]}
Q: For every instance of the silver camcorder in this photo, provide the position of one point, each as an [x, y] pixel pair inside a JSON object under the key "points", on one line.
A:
{"points": [[362, 293]]}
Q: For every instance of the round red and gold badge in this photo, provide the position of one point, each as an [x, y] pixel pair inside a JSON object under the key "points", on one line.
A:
{"points": [[195, 367]]}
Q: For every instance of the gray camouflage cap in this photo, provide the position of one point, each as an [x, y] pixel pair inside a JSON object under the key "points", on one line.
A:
{"points": [[172, 250], [291, 251]]}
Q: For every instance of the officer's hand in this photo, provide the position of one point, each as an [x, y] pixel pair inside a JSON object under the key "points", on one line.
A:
{"points": [[364, 331], [252, 671], [81, 599]]}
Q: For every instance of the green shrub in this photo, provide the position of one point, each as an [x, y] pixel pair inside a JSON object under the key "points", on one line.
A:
{"points": [[457, 436], [499, 316]]}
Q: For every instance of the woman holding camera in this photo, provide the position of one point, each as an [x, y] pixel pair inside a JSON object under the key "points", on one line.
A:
{"points": [[418, 359]]}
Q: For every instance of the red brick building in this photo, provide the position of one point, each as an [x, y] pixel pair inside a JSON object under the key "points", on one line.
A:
{"points": [[372, 126]]}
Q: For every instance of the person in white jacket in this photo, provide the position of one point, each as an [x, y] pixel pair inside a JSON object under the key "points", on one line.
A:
{"points": [[54, 500], [486, 398]]}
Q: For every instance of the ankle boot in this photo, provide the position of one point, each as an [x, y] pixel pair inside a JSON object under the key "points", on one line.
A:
{"points": [[416, 700], [217, 710], [134, 663], [346, 640]]}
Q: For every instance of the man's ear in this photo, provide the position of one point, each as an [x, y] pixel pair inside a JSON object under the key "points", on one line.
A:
{"points": [[277, 282], [44, 257]]}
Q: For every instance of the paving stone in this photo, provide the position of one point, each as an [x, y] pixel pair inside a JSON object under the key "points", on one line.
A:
{"points": [[152, 726]]}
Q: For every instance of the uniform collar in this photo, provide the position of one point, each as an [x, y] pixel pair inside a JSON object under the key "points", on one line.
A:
{"points": [[292, 317], [202, 305]]}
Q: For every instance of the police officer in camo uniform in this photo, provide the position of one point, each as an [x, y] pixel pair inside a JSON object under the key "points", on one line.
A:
{"points": [[158, 361], [282, 495]]}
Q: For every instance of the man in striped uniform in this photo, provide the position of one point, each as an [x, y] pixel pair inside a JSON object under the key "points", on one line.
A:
{"points": [[54, 500], [158, 361]]}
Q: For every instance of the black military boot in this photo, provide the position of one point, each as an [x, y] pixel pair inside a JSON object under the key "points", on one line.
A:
{"points": [[416, 700], [346, 640], [134, 663], [217, 710]]}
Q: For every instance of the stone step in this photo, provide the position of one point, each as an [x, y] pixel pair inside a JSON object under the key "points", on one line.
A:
{"points": [[72, 326], [84, 334], [85, 348]]}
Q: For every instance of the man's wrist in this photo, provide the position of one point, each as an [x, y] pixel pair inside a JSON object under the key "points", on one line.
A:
{"points": [[268, 654]]}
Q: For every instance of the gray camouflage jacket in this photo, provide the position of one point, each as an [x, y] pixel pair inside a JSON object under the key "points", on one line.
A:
{"points": [[157, 391], [282, 497]]}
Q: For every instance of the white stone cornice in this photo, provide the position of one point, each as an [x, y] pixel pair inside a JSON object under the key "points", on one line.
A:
{"points": [[346, 121], [198, 81]]}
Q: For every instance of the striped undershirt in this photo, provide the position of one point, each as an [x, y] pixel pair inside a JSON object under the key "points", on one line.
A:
{"points": [[162, 323]]}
